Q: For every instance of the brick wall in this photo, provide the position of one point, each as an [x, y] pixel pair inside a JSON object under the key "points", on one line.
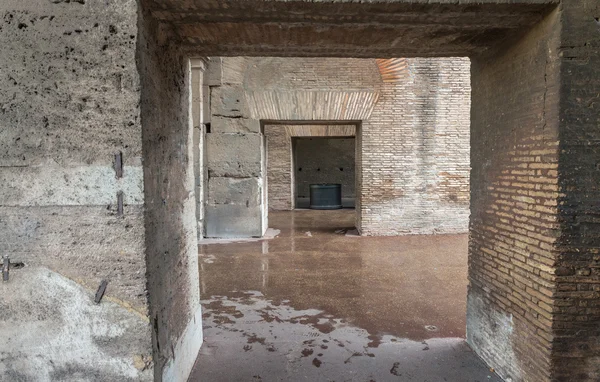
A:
{"points": [[514, 191], [414, 152], [576, 350], [279, 168], [414, 141]]}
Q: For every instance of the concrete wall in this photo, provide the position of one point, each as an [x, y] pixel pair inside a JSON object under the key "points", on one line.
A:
{"points": [[69, 101], [514, 192], [170, 215], [324, 160], [414, 152]]}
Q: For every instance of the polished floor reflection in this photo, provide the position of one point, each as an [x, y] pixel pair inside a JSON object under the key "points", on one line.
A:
{"points": [[318, 303]]}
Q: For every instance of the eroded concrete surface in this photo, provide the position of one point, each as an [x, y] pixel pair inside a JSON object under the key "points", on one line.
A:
{"points": [[315, 304]]}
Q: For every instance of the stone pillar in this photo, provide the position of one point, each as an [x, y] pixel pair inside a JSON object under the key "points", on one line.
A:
{"points": [[236, 202], [170, 219], [198, 112]]}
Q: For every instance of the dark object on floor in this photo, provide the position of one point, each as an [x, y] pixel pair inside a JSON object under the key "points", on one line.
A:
{"points": [[325, 196]]}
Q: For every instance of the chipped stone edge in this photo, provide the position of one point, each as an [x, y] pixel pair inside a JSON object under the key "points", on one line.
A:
{"points": [[186, 351]]}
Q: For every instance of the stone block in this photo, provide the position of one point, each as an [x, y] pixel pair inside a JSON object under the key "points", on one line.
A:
{"points": [[228, 101], [235, 125], [234, 191], [233, 221], [234, 155], [214, 72]]}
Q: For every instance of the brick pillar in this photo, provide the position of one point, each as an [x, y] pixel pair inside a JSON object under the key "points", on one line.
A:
{"points": [[514, 191], [576, 347]]}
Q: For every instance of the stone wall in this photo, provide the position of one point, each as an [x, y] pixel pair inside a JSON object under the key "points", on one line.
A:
{"points": [[324, 160], [170, 216], [514, 192], [414, 152], [234, 149], [69, 101]]}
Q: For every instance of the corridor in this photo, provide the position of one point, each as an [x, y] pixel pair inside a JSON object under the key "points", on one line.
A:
{"points": [[317, 303]]}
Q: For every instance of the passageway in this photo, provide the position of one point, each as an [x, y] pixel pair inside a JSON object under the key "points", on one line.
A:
{"points": [[319, 303]]}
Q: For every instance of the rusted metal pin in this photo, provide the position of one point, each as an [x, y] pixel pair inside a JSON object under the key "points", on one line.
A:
{"points": [[100, 291], [5, 268], [120, 203], [119, 164]]}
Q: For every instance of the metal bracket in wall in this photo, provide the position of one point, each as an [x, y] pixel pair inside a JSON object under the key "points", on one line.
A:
{"points": [[7, 265], [120, 203], [119, 164], [100, 291], [5, 268]]}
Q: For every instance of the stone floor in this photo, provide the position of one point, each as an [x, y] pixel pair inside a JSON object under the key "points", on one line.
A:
{"points": [[318, 304]]}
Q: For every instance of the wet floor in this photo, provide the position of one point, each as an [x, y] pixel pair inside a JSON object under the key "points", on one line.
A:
{"points": [[319, 304]]}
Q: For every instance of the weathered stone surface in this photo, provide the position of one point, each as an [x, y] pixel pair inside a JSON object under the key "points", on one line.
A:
{"points": [[52, 330], [84, 243], [69, 101], [234, 155], [414, 28], [70, 87], [233, 221], [69, 186], [239, 191], [228, 101], [234, 125], [170, 216], [575, 351]]}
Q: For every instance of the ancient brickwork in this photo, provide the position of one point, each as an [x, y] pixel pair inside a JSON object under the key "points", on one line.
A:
{"points": [[279, 168], [414, 148], [576, 323], [514, 191]]}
